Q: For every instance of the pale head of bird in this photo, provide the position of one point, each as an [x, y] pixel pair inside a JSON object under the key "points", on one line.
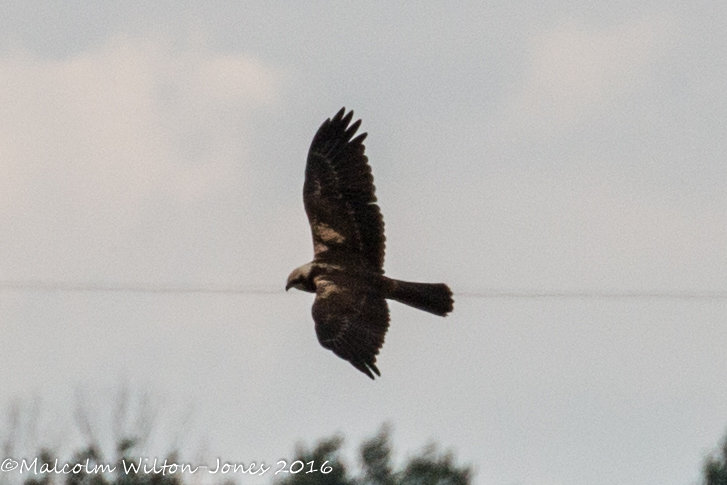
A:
{"points": [[300, 279]]}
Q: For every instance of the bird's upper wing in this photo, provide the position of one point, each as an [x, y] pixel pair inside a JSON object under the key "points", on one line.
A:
{"points": [[350, 321], [339, 197]]}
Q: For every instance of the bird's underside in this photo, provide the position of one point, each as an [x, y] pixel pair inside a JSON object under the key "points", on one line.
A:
{"points": [[350, 309]]}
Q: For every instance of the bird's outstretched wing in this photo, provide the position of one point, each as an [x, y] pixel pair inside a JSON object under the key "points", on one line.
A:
{"points": [[339, 197], [350, 321]]}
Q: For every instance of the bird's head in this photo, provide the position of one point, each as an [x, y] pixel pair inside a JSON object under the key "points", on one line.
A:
{"points": [[300, 279]]}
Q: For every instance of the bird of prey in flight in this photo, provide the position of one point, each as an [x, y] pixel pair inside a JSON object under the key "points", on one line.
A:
{"points": [[350, 310]]}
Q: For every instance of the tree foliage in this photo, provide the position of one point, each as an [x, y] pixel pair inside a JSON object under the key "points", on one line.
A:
{"points": [[715, 468], [430, 467], [91, 458], [96, 460]]}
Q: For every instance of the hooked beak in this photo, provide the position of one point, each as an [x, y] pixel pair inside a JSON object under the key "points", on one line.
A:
{"points": [[288, 285]]}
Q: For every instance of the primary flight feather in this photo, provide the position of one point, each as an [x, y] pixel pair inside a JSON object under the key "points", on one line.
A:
{"points": [[350, 310]]}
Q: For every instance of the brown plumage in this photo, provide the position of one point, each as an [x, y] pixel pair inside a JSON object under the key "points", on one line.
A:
{"points": [[347, 275]]}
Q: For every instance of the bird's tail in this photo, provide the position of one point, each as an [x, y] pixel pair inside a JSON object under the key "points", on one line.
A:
{"points": [[434, 298]]}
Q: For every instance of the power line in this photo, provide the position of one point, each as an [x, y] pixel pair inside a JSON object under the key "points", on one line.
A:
{"points": [[63, 286], [91, 287], [596, 294]]}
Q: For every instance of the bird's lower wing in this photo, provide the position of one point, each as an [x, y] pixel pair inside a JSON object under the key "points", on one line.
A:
{"points": [[351, 322]]}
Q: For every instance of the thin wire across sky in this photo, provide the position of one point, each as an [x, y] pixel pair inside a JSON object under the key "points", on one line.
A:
{"points": [[95, 287]]}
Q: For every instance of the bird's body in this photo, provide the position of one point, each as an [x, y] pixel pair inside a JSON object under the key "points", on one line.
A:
{"points": [[347, 275]]}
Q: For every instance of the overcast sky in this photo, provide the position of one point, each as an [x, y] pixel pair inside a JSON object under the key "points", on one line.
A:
{"points": [[563, 146]]}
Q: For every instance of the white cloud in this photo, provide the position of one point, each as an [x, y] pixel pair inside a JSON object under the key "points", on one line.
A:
{"points": [[575, 70], [133, 116], [111, 158]]}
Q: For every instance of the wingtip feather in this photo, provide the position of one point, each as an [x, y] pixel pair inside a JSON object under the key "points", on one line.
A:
{"points": [[352, 129]]}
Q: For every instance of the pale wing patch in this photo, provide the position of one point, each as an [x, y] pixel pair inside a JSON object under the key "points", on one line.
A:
{"points": [[326, 289], [327, 234]]}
